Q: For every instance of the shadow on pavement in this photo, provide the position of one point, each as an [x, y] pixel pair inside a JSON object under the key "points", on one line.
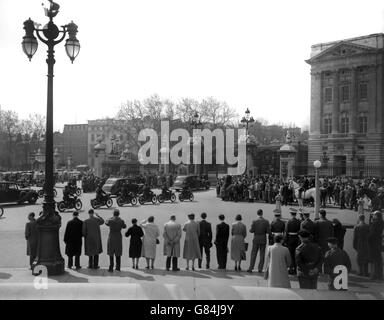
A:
{"points": [[181, 273], [5, 276], [67, 277], [121, 274]]}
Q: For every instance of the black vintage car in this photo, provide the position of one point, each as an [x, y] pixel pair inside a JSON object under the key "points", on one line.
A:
{"points": [[113, 186], [11, 192], [191, 181]]}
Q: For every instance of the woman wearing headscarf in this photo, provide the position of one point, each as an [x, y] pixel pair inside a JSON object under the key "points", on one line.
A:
{"points": [[239, 232], [191, 243], [135, 243]]}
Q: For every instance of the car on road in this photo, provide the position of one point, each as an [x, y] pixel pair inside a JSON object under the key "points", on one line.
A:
{"points": [[11, 192], [113, 186], [192, 181]]}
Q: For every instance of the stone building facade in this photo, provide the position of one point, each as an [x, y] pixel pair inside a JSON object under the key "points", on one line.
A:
{"points": [[347, 119]]}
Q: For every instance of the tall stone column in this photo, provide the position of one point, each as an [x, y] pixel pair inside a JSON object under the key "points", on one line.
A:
{"points": [[353, 102], [336, 104], [316, 104], [372, 99]]}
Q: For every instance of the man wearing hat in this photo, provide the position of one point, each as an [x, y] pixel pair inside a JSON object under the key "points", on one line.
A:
{"points": [[292, 229], [323, 231], [172, 235], [73, 238], [205, 239], [333, 258], [308, 224], [92, 238], [277, 227], [115, 239], [309, 260]]}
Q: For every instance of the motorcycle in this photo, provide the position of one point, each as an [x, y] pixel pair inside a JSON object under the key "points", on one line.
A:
{"points": [[166, 195], [74, 203], [40, 193], [186, 195], [151, 197], [106, 201], [1, 211], [129, 198]]}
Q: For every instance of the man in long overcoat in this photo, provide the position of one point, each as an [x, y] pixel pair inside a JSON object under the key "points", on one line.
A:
{"points": [[92, 238], [172, 235], [205, 239], [323, 231], [31, 235], [73, 238], [360, 244], [221, 242], [115, 239]]}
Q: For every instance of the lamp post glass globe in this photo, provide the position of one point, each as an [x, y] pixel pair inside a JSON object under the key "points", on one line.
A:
{"points": [[72, 47], [317, 164], [29, 46]]}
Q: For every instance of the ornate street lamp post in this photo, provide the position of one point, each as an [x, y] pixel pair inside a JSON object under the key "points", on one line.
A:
{"points": [[247, 120], [195, 122], [48, 252], [317, 165]]}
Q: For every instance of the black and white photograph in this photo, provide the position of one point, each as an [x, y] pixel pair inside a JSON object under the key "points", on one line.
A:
{"points": [[206, 151]]}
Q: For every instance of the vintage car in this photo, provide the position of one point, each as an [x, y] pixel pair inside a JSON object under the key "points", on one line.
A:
{"points": [[191, 181], [113, 186], [11, 192]]}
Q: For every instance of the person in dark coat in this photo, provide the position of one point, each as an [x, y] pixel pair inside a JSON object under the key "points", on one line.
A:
{"points": [[339, 232], [115, 240], [375, 238], [324, 230], [205, 240], [73, 238], [221, 242], [308, 224], [31, 235], [292, 228], [360, 244], [309, 260], [92, 238], [135, 244], [333, 258], [277, 227]]}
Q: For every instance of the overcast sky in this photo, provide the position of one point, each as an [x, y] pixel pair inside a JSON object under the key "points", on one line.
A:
{"points": [[248, 53]]}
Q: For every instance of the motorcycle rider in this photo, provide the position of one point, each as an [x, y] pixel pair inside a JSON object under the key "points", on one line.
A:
{"points": [[186, 191], [165, 190], [100, 194], [67, 195], [125, 190], [146, 191]]}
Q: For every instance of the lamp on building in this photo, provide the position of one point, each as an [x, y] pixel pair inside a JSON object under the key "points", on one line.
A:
{"points": [[195, 122], [48, 251], [317, 165], [247, 120]]}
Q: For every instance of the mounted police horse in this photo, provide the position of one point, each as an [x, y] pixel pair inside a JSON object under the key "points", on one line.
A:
{"points": [[308, 196]]}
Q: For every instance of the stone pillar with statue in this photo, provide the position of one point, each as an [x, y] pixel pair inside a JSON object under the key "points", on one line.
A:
{"points": [[287, 159], [100, 157]]}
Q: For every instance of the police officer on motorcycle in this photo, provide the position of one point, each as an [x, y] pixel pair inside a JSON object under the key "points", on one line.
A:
{"points": [[67, 195], [100, 194]]}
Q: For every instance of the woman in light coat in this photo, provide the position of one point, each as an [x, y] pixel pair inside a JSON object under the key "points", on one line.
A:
{"points": [[239, 232], [191, 243], [151, 233], [278, 262]]}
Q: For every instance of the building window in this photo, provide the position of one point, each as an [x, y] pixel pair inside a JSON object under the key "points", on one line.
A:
{"points": [[328, 95], [344, 128], [327, 125], [345, 93], [363, 123], [363, 91], [92, 137]]}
